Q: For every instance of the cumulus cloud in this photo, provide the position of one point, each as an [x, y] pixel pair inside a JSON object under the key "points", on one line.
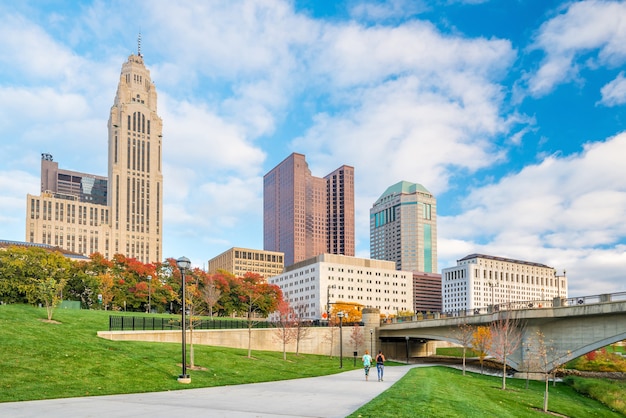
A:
{"points": [[614, 93], [563, 211], [584, 35]]}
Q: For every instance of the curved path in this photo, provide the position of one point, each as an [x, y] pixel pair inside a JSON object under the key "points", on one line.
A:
{"points": [[336, 395]]}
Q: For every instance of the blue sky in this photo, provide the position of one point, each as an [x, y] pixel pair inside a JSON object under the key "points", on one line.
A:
{"points": [[511, 112]]}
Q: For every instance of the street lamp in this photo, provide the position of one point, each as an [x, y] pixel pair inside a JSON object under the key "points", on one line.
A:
{"points": [[330, 286], [407, 349], [371, 341], [183, 264], [149, 293], [340, 315]]}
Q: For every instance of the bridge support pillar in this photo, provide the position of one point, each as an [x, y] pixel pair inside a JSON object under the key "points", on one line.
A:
{"points": [[371, 322]]}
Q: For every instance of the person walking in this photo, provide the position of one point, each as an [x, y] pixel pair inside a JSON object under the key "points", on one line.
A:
{"points": [[380, 365], [367, 362]]}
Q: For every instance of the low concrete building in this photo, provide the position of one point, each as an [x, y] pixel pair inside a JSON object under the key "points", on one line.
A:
{"points": [[479, 281], [314, 284]]}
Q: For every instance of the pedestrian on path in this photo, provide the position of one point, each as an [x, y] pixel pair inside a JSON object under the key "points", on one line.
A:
{"points": [[380, 365], [367, 362]]}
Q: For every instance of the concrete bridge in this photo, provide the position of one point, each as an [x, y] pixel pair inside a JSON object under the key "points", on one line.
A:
{"points": [[571, 328]]}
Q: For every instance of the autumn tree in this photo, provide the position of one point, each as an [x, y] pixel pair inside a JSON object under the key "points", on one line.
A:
{"points": [[481, 343], [464, 334], [257, 297], [506, 337], [351, 311]]}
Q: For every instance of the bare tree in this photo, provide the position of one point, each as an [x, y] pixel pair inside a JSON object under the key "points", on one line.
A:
{"points": [[506, 337], [329, 337], [544, 357], [357, 338], [464, 333], [285, 326], [303, 330], [211, 295]]}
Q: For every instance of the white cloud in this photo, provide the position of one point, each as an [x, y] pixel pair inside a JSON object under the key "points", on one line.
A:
{"points": [[382, 10], [587, 34], [614, 93], [562, 212]]}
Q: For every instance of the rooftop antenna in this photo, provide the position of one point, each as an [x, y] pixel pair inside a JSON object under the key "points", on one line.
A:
{"points": [[139, 44]]}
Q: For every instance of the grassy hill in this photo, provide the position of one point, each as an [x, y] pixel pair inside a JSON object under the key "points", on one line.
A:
{"points": [[42, 360]]}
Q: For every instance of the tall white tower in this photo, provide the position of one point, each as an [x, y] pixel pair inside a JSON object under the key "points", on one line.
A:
{"points": [[135, 195]]}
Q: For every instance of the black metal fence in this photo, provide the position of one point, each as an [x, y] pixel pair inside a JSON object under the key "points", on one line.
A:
{"points": [[139, 323], [149, 323]]}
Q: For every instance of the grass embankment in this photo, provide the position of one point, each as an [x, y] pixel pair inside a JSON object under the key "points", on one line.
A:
{"points": [[444, 392], [40, 360]]}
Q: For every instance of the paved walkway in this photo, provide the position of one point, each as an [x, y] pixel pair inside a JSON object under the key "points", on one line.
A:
{"points": [[328, 396]]}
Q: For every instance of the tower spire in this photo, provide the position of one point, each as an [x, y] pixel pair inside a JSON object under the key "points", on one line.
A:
{"points": [[139, 44]]}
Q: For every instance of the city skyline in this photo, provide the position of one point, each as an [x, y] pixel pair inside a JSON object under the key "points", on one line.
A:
{"points": [[510, 114]]}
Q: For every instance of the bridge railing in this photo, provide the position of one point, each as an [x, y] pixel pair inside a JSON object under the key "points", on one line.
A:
{"points": [[513, 306]]}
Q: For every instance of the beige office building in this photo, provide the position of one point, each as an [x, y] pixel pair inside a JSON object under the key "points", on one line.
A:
{"points": [[484, 281], [240, 261], [119, 214]]}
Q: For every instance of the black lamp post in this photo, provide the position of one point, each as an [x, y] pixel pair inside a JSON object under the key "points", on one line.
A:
{"points": [[407, 349], [183, 264], [330, 286], [149, 293], [371, 341], [340, 315]]}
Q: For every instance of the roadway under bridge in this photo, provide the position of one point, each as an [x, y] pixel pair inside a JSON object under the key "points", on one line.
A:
{"points": [[569, 331]]}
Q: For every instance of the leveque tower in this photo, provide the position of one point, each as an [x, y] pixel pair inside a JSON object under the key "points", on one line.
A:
{"points": [[121, 213]]}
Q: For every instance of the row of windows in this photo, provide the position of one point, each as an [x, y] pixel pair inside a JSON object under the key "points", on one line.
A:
{"points": [[66, 212]]}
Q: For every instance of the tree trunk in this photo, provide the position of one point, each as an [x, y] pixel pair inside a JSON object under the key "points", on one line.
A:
{"points": [[463, 361], [545, 396]]}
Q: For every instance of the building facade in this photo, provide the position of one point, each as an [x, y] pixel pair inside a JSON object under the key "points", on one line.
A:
{"points": [[119, 214], [313, 285], [403, 228], [240, 261], [483, 281], [426, 292], [304, 215]]}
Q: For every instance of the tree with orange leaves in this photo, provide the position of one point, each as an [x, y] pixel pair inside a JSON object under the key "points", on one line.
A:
{"points": [[481, 343]]}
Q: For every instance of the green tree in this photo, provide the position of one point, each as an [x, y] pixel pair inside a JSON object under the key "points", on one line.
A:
{"points": [[51, 292]]}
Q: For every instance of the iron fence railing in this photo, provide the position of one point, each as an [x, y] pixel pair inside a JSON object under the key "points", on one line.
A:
{"points": [[511, 306], [149, 323]]}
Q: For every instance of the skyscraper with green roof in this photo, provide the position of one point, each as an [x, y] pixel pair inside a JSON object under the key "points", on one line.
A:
{"points": [[403, 227]]}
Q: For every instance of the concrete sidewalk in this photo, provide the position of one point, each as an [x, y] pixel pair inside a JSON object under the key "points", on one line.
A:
{"points": [[328, 396]]}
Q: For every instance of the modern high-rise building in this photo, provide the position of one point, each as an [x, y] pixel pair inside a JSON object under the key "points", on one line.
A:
{"points": [[303, 215], [119, 214], [403, 228]]}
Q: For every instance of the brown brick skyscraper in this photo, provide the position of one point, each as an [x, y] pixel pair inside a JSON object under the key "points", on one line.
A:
{"points": [[303, 215]]}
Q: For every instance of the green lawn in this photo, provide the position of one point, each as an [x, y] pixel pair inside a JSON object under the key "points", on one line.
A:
{"points": [[444, 392], [40, 360]]}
